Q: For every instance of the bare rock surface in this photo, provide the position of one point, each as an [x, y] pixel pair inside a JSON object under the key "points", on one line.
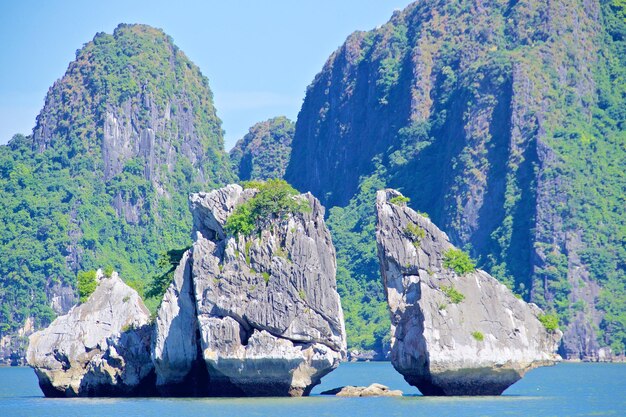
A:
{"points": [[374, 390], [99, 348], [479, 345], [268, 315]]}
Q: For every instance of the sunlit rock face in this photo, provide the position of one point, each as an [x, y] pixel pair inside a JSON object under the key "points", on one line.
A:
{"points": [[268, 318], [452, 334], [100, 348]]}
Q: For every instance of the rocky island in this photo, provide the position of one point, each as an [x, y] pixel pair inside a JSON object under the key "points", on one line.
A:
{"points": [[253, 310], [455, 330], [99, 348], [266, 318]]}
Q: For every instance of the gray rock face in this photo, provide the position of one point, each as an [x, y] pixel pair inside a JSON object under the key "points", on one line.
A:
{"points": [[100, 348], [478, 346], [175, 347], [269, 317]]}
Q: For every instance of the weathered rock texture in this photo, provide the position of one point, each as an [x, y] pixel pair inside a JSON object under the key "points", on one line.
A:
{"points": [[269, 319], [175, 351], [100, 348], [478, 346]]}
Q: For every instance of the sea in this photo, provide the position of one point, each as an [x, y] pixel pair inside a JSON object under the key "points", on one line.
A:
{"points": [[567, 389]]}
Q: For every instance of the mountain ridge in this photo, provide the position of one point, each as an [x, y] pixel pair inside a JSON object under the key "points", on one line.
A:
{"points": [[124, 136], [504, 122]]}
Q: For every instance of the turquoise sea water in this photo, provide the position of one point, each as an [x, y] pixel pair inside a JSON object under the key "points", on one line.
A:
{"points": [[567, 389]]}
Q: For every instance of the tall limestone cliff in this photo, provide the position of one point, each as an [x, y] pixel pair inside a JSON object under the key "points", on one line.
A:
{"points": [[123, 138], [263, 153], [504, 120]]}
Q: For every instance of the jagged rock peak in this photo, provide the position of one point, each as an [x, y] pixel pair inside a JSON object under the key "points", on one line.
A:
{"points": [[135, 99], [99, 348], [455, 330], [269, 318]]}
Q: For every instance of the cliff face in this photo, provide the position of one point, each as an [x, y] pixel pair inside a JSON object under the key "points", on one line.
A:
{"points": [[124, 136], [264, 152], [455, 330], [265, 316], [500, 119], [136, 101]]}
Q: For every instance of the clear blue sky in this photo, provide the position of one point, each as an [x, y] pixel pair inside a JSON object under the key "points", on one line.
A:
{"points": [[259, 56]]}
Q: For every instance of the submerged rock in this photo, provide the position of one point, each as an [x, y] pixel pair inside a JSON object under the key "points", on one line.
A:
{"points": [[269, 318], [452, 334], [100, 348], [374, 390]]}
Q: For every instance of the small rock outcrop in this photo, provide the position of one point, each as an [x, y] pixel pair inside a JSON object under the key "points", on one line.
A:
{"points": [[374, 390], [99, 348], [452, 334], [268, 318]]}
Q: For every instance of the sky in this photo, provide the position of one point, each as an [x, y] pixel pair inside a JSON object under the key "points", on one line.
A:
{"points": [[259, 56]]}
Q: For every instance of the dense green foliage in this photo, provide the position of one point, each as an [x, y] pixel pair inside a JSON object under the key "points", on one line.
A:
{"points": [[452, 293], [459, 261], [64, 203], [549, 321], [167, 263], [508, 127], [358, 275], [275, 200], [263, 153], [86, 284]]}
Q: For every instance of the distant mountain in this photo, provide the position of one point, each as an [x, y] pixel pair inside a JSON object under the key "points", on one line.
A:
{"points": [[505, 121], [263, 153], [124, 136]]}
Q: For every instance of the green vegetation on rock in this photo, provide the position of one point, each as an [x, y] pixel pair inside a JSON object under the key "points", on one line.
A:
{"points": [[452, 293], [86, 284], [459, 261], [124, 137], [549, 321], [400, 200], [478, 336], [274, 200], [506, 124], [108, 271], [415, 233]]}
